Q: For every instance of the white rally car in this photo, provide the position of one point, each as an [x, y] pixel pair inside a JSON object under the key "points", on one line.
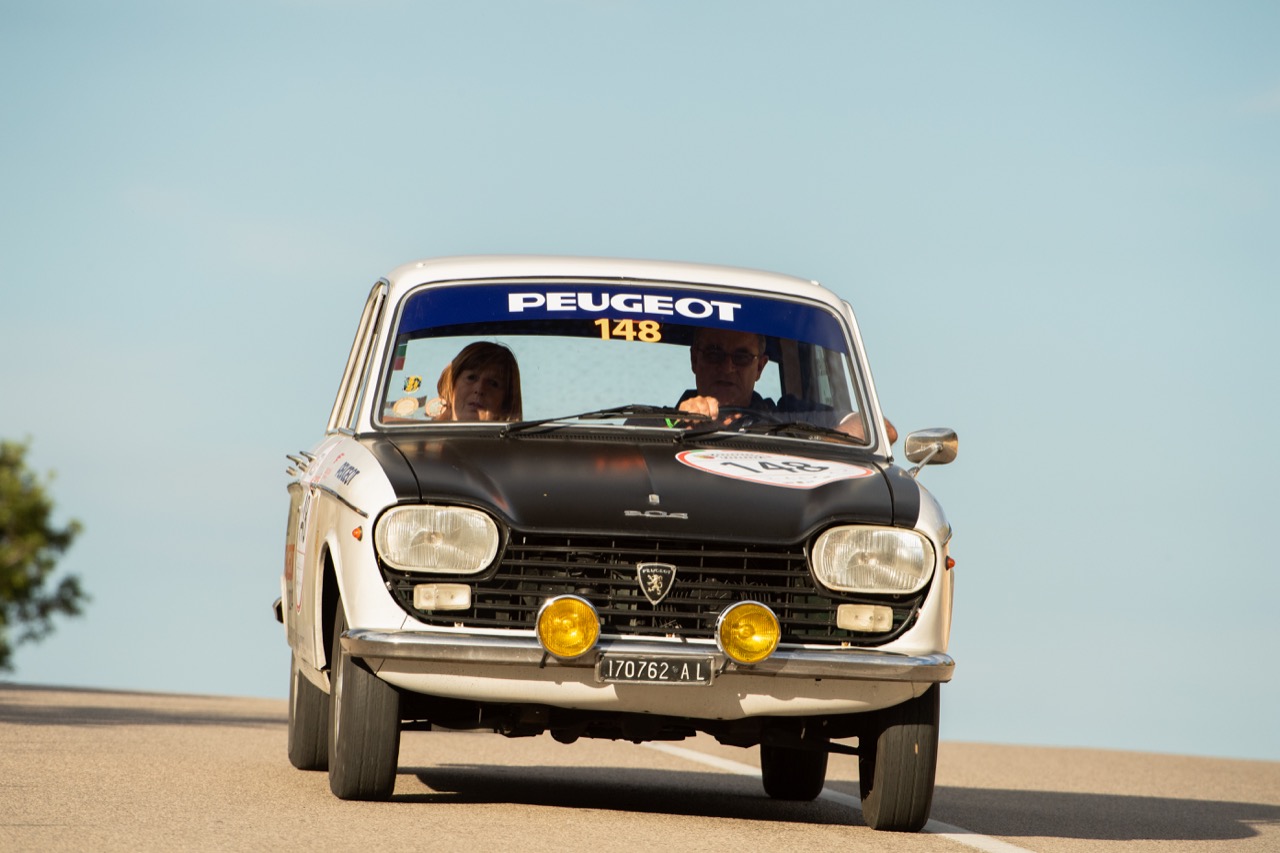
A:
{"points": [[619, 499]]}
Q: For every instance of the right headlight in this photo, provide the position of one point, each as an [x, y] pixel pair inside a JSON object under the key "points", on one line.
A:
{"points": [[451, 540], [872, 559]]}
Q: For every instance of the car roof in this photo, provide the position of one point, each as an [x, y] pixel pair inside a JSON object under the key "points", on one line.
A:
{"points": [[472, 267]]}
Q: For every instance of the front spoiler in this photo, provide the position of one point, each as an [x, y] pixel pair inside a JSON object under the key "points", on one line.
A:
{"points": [[845, 663]]}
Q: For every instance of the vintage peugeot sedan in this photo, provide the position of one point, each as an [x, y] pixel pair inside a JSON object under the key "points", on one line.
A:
{"points": [[617, 499]]}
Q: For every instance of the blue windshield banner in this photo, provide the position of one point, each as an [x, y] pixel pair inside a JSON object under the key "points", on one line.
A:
{"points": [[462, 304]]}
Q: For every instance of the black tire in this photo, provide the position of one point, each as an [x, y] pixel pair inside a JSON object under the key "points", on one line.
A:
{"points": [[364, 741], [792, 774], [897, 762], [308, 722]]}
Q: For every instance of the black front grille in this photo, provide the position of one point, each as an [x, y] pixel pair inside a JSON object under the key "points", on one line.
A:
{"points": [[602, 570]]}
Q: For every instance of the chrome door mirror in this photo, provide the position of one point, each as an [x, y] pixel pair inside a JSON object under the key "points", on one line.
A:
{"points": [[930, 447]]}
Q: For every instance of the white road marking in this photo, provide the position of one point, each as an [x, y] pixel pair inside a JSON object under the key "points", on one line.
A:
{"points": [[958, 834]]}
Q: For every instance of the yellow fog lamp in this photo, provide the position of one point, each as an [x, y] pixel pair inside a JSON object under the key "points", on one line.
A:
{"points": [[568, 626], [748, 632]]}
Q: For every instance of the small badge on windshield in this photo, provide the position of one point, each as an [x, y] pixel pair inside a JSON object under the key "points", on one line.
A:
{"points": [[656, 580]]}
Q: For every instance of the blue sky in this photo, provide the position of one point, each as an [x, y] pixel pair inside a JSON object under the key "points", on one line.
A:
{"points": [[1059, 224]]}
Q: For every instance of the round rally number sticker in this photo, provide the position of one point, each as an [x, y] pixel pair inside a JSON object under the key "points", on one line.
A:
{"points": [[771, 469]]}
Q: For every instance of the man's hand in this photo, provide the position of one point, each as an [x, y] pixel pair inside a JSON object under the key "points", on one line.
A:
{"points": [[708, 406]]}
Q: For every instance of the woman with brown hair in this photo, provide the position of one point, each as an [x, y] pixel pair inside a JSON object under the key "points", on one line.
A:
{"points": [[481, 383]]}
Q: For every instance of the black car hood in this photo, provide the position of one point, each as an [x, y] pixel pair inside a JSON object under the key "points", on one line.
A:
{"points": [[598, 485]]}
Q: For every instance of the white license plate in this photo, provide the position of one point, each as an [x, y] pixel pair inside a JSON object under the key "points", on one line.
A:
{"points": [[653, 669]]}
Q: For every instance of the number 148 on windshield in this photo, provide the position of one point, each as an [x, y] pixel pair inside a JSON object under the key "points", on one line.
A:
{"points": [[647, 331]]}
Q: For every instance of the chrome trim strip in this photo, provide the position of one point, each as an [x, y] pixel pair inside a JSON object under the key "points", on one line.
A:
{"points": [[348, 504], [844, 664]]}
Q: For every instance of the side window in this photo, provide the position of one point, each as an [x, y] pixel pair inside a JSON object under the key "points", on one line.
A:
{"points": [[831, 379], [818, 375], [353, 377], [771, 382]]}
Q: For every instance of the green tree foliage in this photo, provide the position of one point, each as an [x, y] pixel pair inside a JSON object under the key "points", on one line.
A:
{"points": [[29, 550]]}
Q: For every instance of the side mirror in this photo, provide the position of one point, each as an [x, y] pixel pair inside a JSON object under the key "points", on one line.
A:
{"points": [[930, 447]]}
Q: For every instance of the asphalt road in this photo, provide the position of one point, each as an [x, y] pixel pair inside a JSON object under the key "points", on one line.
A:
{"points": [[93, 770]]}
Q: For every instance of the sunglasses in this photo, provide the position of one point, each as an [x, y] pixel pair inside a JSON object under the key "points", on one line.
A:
{"points": [[740, 358]]}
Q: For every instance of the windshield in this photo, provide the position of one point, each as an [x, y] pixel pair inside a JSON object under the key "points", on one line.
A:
{"points": [[550, 351]]}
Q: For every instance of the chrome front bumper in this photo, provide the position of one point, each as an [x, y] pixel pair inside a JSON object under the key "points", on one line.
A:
{"points": [[845, 663]]}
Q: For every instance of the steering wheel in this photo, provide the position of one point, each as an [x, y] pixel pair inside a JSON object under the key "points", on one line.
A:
{"points": [[746, 417]]}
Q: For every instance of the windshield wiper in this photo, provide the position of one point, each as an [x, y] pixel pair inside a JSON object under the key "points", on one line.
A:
{"points": [[802, 429], [630, 410]]}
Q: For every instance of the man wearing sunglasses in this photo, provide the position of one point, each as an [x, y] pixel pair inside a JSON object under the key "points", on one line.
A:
{"points": [[726, 365]]}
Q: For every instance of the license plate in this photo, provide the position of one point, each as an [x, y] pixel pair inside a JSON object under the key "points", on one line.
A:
{"points": [[646, 669]]}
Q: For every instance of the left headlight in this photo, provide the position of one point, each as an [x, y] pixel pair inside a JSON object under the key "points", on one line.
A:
{"points": [[872, 559], [451, 540]]}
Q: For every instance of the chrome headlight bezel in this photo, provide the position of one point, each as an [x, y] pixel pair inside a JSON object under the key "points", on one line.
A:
{"points": [[437, 539], [874, 560]]}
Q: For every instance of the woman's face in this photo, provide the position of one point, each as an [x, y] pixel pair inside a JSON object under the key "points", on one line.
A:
{"points": [[478, 394]]}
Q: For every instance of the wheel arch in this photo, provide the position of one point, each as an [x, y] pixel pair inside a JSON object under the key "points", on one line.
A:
{"points": [[329, 598]]}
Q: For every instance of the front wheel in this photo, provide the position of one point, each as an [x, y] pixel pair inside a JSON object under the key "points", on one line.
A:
{"points": [[897, 762], [308, 721], [364, 738], [792, 774]]}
